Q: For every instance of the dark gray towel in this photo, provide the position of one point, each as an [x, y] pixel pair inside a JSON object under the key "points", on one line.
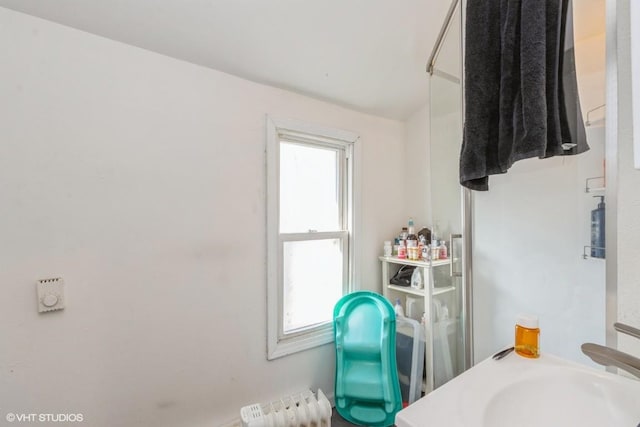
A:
{"points": [[521, 96]]}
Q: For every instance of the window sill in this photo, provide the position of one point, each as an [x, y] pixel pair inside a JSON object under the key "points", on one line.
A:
{"points": [[315, 337]]}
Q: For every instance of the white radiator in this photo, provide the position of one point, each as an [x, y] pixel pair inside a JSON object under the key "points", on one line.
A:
{"points": [[298, 410]]}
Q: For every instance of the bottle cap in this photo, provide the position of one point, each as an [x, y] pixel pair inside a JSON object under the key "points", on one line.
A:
{"points": [[387, 242], [527, 321]]}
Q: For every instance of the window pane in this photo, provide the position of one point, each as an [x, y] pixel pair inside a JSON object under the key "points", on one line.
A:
{"points": [[309, 189], [312, 273]]}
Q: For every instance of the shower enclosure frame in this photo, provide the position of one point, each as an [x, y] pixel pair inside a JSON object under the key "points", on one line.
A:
{"points": [[465, 194]]}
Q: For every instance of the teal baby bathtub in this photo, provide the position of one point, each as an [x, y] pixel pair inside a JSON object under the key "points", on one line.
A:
{"points": [[367, 387]]}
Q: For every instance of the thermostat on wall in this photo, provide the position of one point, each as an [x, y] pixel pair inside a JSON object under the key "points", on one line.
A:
{"points": [[50, 294]]}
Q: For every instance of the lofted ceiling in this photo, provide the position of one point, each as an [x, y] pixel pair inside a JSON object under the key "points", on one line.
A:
{"points": [[369, 55]]}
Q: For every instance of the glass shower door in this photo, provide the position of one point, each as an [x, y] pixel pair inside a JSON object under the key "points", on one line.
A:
{"points": [[448, 316]]}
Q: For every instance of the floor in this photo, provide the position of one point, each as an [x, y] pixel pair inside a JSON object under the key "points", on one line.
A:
{"points": [[338, 421]]}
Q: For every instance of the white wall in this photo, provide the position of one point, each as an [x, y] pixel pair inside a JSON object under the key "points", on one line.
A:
{"points": [[140, 180], [417, 170], [529, 233], [445, 142], [432, 189], [628, 208]]}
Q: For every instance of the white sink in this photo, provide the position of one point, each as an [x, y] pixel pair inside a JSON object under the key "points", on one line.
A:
{"points": [[516, 391]]}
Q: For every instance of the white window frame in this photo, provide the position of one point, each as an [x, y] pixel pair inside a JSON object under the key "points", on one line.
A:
{"points": [[279, 344]]}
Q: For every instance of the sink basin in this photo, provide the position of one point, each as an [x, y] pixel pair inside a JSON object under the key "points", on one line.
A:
{"points": [[516, 391], [562, 397]]}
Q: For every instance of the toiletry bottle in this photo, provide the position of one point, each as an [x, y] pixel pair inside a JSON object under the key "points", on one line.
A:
{"points": [[597, 230], [402, 251], [443, 250], [435, 250], [421, 244], [426, 252], [387, 249], [398, 308], [412, 238], [416, 279], [527, 336], [396, 245], [403, 236], [412, 242], [435, 246]]}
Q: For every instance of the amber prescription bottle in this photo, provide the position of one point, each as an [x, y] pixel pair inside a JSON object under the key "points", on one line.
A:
{"points": [[527, 336]]}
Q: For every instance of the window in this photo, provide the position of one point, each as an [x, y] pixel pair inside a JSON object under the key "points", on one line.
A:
{"points": [[310, 232]]}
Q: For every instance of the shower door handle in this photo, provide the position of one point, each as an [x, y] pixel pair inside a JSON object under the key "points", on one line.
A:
{"points": [[452, 256]]}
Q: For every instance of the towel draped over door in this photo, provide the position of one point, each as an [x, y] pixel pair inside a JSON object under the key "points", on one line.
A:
{"points": [[521, 94]]}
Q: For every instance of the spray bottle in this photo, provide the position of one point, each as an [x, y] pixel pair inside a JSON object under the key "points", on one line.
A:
{"points": [[597, 230]]}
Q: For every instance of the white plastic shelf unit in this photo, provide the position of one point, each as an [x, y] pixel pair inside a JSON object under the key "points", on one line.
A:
{"points": [[427, 293]]}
